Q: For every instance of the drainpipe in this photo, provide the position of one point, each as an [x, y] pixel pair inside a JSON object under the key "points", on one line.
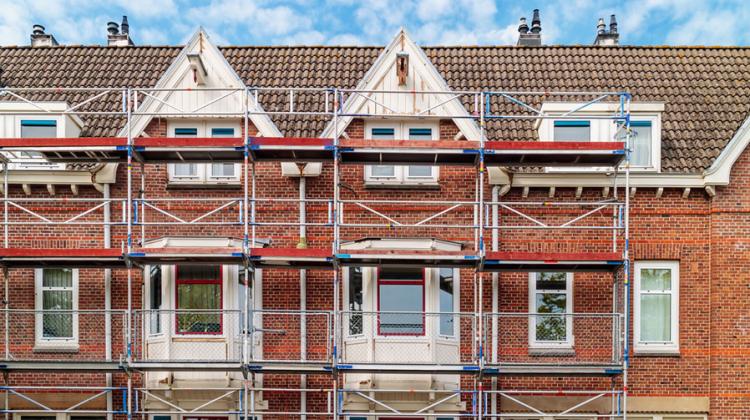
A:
{"points": [[108, 299], [303, 294], [495, 292]]}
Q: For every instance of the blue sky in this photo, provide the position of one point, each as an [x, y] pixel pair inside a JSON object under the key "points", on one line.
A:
{"points": [[374, 22]]}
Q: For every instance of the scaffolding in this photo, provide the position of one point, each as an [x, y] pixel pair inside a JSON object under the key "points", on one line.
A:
{"points": [[480, 331]]}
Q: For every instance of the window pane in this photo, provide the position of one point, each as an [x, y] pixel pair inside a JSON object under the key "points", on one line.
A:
{"points": [[203, 298], [420, 134], [420, 171], [551, 281], [199, 272], [572, 131], [656, 279], [391, 273], [200, 297], [241, 301], [656, 317], [222, 132], [383, 171], [155, 303], [401, 298], [383, 133], [640, 142], [447, 322], [57, 277], [355, 301], [222, 169], [38, 128], [185, 132], [186, 169]]}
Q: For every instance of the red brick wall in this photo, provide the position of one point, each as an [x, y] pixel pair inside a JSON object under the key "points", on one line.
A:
{"points": [[708, 237]]}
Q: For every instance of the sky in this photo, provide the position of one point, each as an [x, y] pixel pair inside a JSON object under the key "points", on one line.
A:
{"points": [[375, 22]]}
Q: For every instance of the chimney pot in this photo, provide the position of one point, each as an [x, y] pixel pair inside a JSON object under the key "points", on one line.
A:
{"points": [[536, 23], [124, 26], [600, 27], [612, 24], [607, 37], [37, 30], [113, 28], [523, 27]]}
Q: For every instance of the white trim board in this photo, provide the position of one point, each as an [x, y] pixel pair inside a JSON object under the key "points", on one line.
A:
{"points": [[220, 75]]}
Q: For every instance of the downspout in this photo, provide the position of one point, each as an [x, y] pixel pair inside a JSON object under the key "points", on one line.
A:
{"points": [[303, 295], [495, 294], [108, 298]]}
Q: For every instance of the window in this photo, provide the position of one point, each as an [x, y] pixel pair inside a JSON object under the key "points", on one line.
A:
{"points": [[199, 299], [401, 301], [186, 171], [356, 294], [550, 299], [56, 303], [399, 175], [657, 306], [570, 130], [447, 301], [35, 128], [155, 299], [640, 143], [201, 173]]}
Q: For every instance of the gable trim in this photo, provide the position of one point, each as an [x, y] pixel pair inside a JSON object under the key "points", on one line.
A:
{"points": [[401, 42], [200, 39], [720, 171]]}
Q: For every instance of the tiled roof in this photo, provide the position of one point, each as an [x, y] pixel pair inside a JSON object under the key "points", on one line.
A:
{"points": [[706, 90]]}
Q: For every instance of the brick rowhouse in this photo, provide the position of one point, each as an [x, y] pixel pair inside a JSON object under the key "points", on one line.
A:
{"points": [[678, 213]]}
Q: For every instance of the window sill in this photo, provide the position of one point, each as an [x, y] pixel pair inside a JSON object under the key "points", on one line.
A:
{"points": [[372, 185], [55, 348], [552, 351], [656, 352], [235, 185]]}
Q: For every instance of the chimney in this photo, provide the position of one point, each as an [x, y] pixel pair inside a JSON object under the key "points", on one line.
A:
{"points": [[119, 36], [531, 37], [41, 39], [604, 36]]}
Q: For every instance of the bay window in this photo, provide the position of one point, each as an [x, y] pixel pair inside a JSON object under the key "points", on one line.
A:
{"points": [[198, 299], [401, 301], [550, 299], [56, 303], [396, 174], [656, 306]]}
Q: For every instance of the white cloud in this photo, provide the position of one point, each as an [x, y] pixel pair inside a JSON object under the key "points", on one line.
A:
{"points": [[345, 39]]}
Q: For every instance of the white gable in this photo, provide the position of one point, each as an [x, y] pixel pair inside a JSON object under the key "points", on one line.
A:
{"points": [[200, 67], [422, 76]]}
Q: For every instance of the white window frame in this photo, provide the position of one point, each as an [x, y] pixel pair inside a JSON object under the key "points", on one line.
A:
{"points": [[40, 340], [37, 163], [401, 172], [570, 340], [204, 175], [431, 301], [672, 347], [604, 130]]}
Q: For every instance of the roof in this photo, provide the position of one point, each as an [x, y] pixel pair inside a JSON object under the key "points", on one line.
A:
{"points": [[706, 90]]}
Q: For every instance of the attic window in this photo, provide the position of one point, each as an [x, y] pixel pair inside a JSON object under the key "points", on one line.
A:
{"points": [[222, 132], [38, 128], [185, 132]]}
